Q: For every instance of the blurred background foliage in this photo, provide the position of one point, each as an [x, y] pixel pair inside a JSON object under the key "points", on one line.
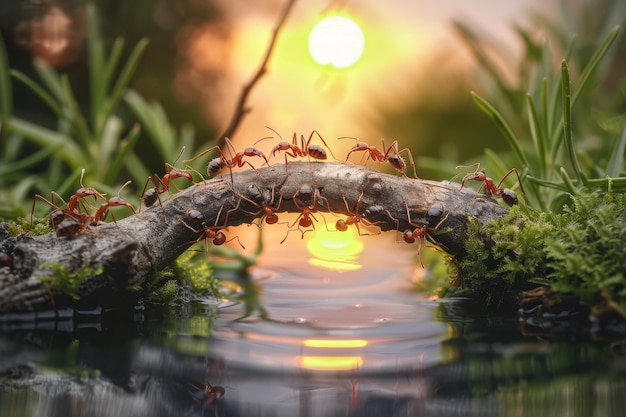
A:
{"points": [[107, 102]]}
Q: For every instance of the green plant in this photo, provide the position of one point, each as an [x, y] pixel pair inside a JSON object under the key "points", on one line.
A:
{"points": [[559, 132], [576, 252], [95, 138]]}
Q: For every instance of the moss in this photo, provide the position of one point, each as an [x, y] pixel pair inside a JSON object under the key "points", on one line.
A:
{"points": [[66, 280], [580, 251], [190, 271], [22, 226]]}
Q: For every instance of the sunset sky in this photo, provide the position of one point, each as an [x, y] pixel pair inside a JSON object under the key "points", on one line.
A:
{"points": [[299, 95]]}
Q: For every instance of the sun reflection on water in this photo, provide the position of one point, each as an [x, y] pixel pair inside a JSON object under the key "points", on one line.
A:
{"points": [[335, 251]]}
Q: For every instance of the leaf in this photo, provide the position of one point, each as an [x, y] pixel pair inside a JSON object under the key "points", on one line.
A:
{"points": [[6, 101], [567, 124], [616, 162], [512, 140], [593, 62]]}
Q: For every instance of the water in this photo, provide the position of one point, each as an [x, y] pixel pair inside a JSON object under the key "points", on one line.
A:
{"points": [[312, 333]]}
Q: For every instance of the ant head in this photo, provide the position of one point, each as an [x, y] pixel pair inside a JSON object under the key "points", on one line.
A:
{"points": [[509, 197]]}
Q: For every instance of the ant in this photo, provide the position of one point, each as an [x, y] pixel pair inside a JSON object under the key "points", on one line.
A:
{"points": [[57, 217], [221, 162], [205, 397], [384, 154], [306, 149], [266, 208], [207, 233], [355, 218], [507, 195], [305, 199], [162, 184], [422, 231], [102, 211]]}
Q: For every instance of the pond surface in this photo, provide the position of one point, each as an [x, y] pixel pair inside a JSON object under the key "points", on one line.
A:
{"points": [[318, 329]]}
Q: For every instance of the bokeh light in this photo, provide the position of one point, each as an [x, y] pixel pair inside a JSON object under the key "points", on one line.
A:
{"points": [[337, 41]]}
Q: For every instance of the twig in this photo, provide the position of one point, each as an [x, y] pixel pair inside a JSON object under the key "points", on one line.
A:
{"points": [[242, 109]]}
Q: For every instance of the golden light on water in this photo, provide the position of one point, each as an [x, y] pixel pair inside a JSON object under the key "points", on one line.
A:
{"points": [[333, 343], [336, 251], [330, 363], [337, 41]]}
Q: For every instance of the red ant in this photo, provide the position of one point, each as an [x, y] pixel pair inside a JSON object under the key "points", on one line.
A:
{"points": [[390, 154], [422, 231], [355, 218], [162, 184], [305, 199], [507, 195], [204, 398], [221, 162], [57, 217], [212, 233], [260, 200], [305, 149], [102, 211]]}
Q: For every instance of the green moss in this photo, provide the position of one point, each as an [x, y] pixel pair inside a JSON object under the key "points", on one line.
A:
{"points": [[66, 280], [191, 270], [22, 226], [579, 251]]}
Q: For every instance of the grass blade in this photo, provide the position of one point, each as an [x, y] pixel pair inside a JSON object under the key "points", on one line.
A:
{"points": [[40, 92], [6, 100], [616, 162], [50, 79], [95, 49], [126, 147], [512, 140], [593, 62], [69, 152], [122, 81], [567, 124], [537, 134], [77, 119]]}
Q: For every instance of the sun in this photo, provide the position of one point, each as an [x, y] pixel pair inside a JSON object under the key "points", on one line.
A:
{"points": [[337, 41]]}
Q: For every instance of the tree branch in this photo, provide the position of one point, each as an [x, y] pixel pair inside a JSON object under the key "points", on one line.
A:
{"points": [[126, 254]]}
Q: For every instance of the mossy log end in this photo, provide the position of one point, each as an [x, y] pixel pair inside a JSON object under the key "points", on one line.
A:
{"points": [[114, 261]]}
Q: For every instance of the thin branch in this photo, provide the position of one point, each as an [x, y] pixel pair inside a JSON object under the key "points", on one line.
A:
{"points": [[242, 109]]}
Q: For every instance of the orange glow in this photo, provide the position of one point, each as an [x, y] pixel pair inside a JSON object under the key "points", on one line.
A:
{"points": [[336, 251], [330, 363], [54, 37], [329, 343]]}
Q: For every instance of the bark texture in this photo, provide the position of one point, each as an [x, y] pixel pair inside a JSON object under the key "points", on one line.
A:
{"points": [[118, 259]]}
